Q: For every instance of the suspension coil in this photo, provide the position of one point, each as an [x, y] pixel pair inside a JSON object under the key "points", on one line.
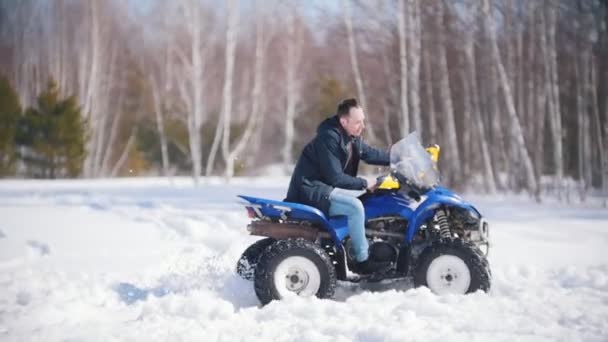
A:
{"points": [[444, 227]]}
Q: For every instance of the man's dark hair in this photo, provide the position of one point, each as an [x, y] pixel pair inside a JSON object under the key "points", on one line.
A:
{"points": [[345, 106]]}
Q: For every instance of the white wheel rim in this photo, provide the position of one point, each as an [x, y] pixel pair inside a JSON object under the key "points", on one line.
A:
{"points": [[448, 274], [297, 275]]}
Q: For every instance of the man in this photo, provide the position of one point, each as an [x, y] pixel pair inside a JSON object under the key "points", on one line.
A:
{"points": [[331, 161]]}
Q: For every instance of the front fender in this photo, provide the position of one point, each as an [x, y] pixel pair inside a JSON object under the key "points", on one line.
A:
{"points": [[435, 199]]}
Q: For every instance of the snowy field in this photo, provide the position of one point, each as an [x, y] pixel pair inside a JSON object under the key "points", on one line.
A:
{"points": [[145, 260]]}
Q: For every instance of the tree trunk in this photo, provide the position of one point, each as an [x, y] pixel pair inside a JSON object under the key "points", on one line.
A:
{"points": [[414, 34], [160, 125], [428, 74], [231, 37], [405, 121], [600, 142], [470, 64], [105, 165], [454, 171], [214, 146], [466, 134], [581, 113], [292, 88], [352, 49], [103, 108], [554, 102], [515, 127], [390, 94], [258, 85], [532, 73], [125, 153], [197, 96], [91, 89]]}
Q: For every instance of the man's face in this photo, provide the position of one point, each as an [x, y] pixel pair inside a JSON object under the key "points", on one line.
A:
{"points": [[354, 122]]}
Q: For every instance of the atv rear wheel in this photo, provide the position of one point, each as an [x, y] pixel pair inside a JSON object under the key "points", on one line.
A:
{"points": [[245, 267], [297, 267], [452, 266]]}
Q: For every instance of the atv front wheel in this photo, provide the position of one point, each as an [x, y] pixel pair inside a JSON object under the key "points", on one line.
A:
{"points": [[452, 266], [245, 267], [294, 267]]}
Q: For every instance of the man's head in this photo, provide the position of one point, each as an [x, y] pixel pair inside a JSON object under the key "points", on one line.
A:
{"points": [[351, 117]]}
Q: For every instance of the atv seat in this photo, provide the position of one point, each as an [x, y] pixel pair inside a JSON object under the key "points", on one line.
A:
{"points": [[282, 210]]}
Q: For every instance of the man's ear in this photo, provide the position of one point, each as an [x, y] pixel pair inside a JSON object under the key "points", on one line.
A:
{"points": [[343, 121]]}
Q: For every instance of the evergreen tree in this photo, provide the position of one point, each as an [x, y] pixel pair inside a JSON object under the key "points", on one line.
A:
{"points": [[55, 135], [10, 111]]}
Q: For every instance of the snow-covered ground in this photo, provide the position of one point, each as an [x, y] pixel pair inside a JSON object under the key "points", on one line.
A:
{"points": [[145, 260]]}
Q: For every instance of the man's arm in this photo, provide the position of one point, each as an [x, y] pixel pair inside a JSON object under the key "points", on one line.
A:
{"points": [[373, 155], [328, 147]]}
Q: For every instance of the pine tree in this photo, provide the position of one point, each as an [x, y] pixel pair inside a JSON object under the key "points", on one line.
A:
{"points": [[54, 134], [10, 111]]}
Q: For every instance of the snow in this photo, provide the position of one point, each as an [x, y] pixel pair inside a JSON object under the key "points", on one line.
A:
{"points": [[153, 260]]}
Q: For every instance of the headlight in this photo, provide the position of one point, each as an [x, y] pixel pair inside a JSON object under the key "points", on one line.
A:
{"points": [[473, 214]]}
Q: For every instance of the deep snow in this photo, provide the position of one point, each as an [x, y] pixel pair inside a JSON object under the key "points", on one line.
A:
{"points": [[145, 260]]}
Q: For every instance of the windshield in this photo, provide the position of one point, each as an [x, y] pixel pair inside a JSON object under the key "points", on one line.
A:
{"points": [[413, 162]]}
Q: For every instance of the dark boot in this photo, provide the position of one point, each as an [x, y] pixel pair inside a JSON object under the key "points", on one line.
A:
{"points": [[370, 267]]}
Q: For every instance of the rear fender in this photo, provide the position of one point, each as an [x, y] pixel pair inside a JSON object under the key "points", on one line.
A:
{"points": [[336, 227]]}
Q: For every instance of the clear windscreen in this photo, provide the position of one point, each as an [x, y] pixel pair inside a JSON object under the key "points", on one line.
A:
{"points": [[413, 162]]}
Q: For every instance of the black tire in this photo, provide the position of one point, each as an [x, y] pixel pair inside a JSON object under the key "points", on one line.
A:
{"points": [[477, 265], [245, 267], [265, 285]]}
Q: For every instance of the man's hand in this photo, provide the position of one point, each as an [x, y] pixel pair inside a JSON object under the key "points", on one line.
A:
{"points": [[372, 184]]}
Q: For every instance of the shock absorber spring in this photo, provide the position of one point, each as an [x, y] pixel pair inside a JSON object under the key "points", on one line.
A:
{"points": [[444, 227]]}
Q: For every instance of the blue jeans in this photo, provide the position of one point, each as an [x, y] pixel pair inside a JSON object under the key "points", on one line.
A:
{"points": [[353, 209]]}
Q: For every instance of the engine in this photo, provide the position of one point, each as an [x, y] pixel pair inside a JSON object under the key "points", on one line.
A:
{"points": [[382, 251], [385, 236], [391, 229]]}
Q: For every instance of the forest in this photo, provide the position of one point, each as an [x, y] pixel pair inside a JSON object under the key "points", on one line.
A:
{"points": [[515, 92]]}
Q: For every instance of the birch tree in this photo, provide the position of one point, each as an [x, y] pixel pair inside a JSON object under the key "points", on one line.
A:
{"points": [[352, 49], [428, 79], [471, 75], [555, 119], [446, 96], [414, 51], [231, 39], [160, 85], [191, 80], [292, 84], [403, 66], [257, 90], [515, 127]]}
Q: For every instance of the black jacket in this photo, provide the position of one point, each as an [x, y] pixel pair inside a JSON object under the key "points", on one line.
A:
{"points": [[321, 166]]}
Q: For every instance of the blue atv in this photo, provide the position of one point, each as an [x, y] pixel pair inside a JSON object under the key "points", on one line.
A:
{"points": [[425, 231]]}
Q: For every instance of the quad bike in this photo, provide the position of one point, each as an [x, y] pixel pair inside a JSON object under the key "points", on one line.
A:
{"points": [[425, 231]]}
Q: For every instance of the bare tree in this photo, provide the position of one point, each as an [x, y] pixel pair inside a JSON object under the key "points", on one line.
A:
{"points": [[428, 74], [191, 80], [258, 86], [160, 85], [601, 137], [554, 102], [414, 52], [405, 116], [470, 65], [292, 84], [352, 49], [231, 39], [515, 127], [446, 96]]}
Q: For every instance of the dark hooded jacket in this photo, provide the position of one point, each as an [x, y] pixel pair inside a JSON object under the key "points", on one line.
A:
{"points": [[324, 165]]}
